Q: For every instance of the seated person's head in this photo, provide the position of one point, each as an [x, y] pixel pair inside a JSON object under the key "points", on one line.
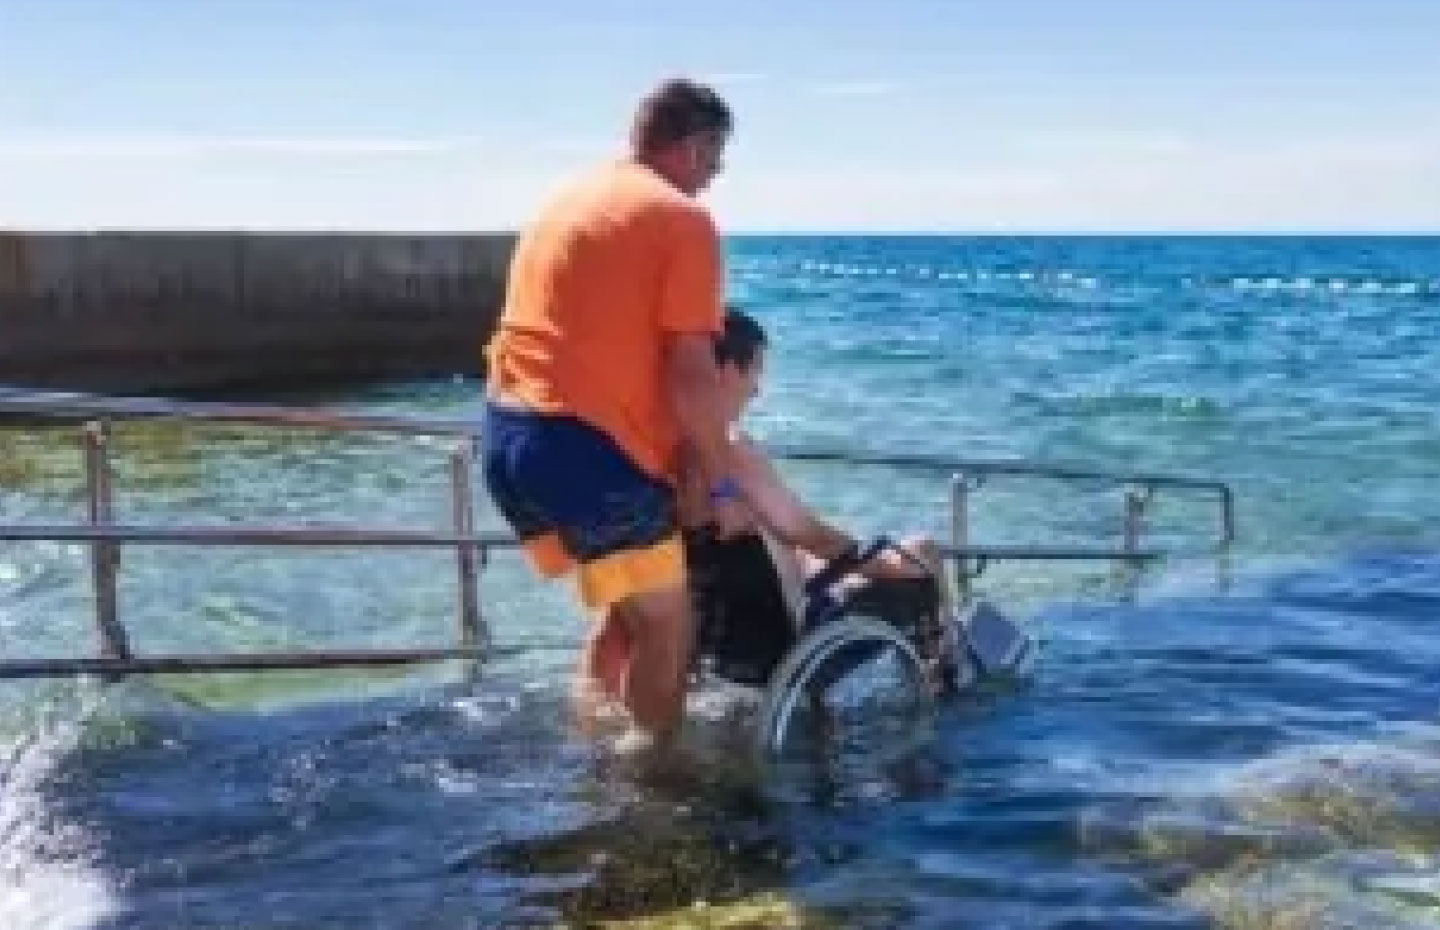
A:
{"points": [[740, 353]]}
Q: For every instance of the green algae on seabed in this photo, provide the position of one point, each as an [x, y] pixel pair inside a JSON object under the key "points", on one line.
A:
{"points": [[1370, 795], [150, 454], [1335, 892], [42, 458], [660, 866], [765, 911], [260, 690], [1319, 837]]}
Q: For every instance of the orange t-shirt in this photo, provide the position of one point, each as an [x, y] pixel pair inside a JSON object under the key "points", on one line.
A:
{"points": [[611, 266]]}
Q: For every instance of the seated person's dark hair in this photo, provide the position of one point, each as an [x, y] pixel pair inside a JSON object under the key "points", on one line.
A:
{"points": [[740, 341]]}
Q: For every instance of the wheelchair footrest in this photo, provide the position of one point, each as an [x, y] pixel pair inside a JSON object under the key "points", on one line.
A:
{"points": [[996, 644]]}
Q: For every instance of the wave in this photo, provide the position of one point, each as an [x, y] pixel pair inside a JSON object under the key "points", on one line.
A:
{"points": [[48, 879]]}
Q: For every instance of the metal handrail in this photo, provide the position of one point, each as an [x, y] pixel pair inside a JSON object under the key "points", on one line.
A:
{"points": [[106, 536], [941, 463], [112, 667], [318, 535], [273, 535], [52, 405], [966, 474]]}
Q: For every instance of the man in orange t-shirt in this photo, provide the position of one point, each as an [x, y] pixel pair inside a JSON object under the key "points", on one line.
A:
{"points": [[601, 370]]}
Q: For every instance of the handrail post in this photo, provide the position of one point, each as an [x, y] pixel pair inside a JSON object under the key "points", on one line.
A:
{"points": [[1227, 538], [104, 553], [1134, 527], [472, 626], [960, 531], [1227, 517], [1134, 514]]}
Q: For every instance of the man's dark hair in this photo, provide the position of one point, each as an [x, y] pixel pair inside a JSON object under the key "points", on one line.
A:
{"points": [[676, 110], [740, 341]]}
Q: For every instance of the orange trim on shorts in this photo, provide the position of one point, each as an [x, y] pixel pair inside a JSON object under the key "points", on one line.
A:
{"points": [[612, 578], [548, 555]]}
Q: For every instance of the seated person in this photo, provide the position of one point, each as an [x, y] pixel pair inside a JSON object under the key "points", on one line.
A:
{"points": [[799, 542]]}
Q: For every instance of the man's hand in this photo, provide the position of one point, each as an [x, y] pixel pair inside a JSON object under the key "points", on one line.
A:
{"points": [[730, 518]]}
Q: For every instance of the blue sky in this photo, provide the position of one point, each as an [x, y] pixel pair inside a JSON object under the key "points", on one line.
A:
{"points": [[970, 115]]}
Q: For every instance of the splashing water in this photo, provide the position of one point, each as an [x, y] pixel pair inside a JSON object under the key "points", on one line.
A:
{"points": [[46, 879]]}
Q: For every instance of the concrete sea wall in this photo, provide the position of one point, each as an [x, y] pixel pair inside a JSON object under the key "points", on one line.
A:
{"points": [[208, 312]]}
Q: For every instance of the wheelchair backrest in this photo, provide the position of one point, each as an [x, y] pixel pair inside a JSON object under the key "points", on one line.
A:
{"points": [[745, 624], [744, 621]]}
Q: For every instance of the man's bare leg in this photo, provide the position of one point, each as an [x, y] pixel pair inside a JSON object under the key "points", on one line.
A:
{"points": [[600, 672], [660, 629], [611, 656]]}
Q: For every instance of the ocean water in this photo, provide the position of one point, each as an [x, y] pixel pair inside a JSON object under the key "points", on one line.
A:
{"points": [[1239, 742]]}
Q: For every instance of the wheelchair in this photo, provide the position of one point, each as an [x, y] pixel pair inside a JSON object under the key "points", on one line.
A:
{"points": [[835, 664]]}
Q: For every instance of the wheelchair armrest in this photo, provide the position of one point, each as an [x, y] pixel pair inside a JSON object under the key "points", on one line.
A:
{"points": [[845, 563], [820, 598]]}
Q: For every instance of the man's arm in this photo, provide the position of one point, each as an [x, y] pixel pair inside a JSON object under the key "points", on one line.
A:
{"points": [[690, 313], [694, 384]]}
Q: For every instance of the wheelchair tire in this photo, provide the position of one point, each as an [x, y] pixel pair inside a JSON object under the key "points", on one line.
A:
{"points": [[824, 657]]}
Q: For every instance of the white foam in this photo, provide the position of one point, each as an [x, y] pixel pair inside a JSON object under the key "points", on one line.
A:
{"points": [[45, 880]]}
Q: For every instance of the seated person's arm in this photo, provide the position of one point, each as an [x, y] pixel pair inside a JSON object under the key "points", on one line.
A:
{"points": [[781, 511]]}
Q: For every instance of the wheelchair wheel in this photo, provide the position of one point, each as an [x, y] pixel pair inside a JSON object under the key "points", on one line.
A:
{"points": [[850, 692]]}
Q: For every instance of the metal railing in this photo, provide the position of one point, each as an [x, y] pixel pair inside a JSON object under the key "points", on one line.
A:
{"points": [[969, 475], [105, 537]]}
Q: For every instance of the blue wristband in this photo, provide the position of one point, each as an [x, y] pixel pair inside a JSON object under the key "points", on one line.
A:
{"points": [[726, 489]]}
